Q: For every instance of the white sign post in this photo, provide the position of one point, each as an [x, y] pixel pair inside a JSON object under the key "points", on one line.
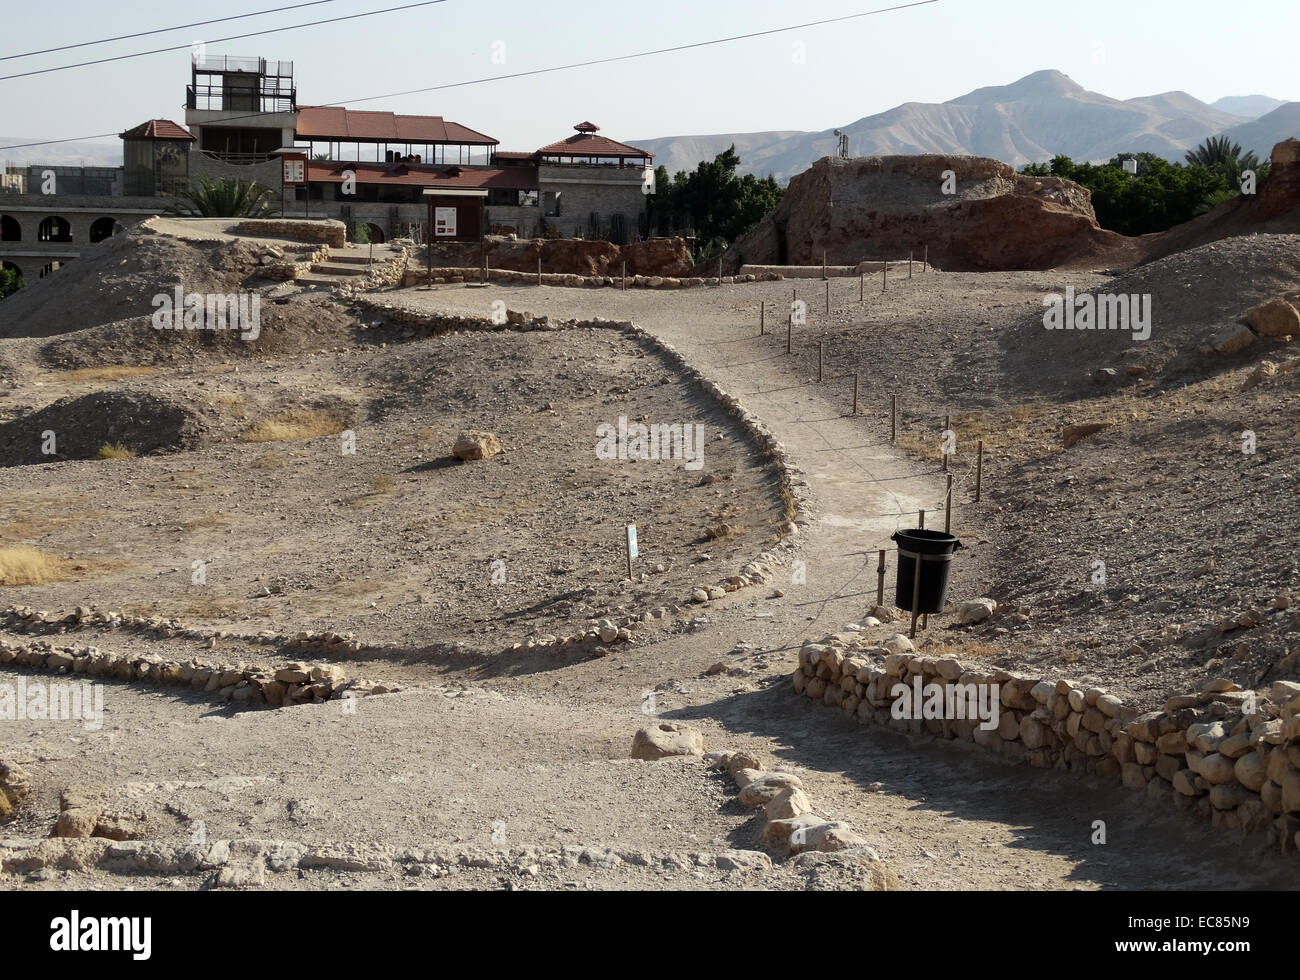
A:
{"points": [[631, 547]]}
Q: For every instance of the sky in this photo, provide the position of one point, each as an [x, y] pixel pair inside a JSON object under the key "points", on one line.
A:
{"points": [[811, 78]]}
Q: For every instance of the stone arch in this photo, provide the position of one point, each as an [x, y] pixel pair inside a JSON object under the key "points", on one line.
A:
{"points": [[10, 229], [10, 266], [103, 228], [54, 229], [376, 233]]}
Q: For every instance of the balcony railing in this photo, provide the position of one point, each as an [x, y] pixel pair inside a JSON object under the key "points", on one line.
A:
{"points": [[268, 98], [233, 63]]}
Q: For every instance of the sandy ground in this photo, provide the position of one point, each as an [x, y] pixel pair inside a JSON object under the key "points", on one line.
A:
{"points": [[545, 749]]}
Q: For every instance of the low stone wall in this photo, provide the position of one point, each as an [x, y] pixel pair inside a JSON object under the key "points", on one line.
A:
{"points": [[451, 274], [256, 684], [327, 232], [1231, 756]]}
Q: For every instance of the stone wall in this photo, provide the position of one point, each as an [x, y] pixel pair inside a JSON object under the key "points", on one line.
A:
{"points": [[584, 189], [1230, 756], [332, 233]]}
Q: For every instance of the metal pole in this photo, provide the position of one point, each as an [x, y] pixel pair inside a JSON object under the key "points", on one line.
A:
{"points": [[627, 548], [821, 345], [893, 418], [880, 578], [823, 263], [947, 509], [884, 276], [789, 333], [943, 441], [920, 520], [539, 266], [719, 270], [925, 260], [862, 287], [623, 286], [909, 265], [828, 295], [855, 392], [979, 469], [762, 317]]}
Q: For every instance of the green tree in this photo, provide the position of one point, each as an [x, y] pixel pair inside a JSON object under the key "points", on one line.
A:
{"points": [[10, 282], [1160, 195], [228, 197], [713, 201], [1220, 155]]}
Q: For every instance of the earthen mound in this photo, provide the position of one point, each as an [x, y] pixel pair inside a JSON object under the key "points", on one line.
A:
{"points": [[78, 427]]}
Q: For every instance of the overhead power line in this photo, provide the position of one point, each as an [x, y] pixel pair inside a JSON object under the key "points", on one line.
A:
{"points": [[220, 40], [539, 71], [163, 30]]}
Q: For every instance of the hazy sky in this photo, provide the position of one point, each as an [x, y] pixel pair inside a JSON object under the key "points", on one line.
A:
{"points": [[1121, 48]]}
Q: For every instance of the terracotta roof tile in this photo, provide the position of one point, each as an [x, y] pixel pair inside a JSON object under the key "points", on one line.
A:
{"points": [[345, 125], [158, 129]]}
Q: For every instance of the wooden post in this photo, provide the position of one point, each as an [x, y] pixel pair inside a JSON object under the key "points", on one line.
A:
{"points": [[947, 509], [855, 392], [920, 520], [943, 441], [893, 418], [979, 469], [821, 345], [880, 578]]}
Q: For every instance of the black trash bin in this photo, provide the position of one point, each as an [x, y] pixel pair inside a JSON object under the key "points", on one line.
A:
{"points": [[935, 549]]}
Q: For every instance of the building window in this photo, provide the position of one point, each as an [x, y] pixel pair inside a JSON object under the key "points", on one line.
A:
{"points": [[552, 200]]}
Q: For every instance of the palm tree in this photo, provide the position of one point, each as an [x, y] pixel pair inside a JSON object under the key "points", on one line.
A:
{"points": [[228, 197], [1219, 154]]}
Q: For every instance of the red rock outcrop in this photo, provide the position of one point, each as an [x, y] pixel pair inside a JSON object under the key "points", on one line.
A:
{"points": [[874, 208]]}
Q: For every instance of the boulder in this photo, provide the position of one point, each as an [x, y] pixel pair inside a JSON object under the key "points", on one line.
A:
{"points": [[476, 445], [975, 611], [1073, 433], [790, 802], [666, 739], [1232, 340], [1276, 318]]}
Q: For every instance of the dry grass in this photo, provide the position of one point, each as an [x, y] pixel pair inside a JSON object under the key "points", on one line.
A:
{"points": [[212, 609], [114, 450], [114, 373], [23, 565], [383, 483], [295, 424]]}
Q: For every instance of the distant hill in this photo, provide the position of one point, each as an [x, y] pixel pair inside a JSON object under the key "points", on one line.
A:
{"points": [[1250, 106], [1267, 131], [1028, 121], [62, 154]]}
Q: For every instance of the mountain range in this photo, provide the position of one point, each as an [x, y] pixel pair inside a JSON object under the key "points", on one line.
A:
{"points": [[1028, 121]]}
